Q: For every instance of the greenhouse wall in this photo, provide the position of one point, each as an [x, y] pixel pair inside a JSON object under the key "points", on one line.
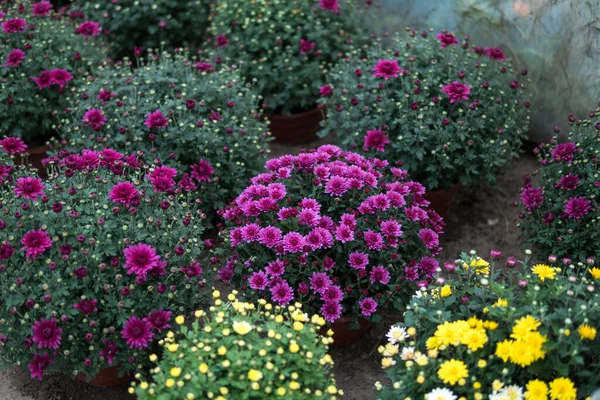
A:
{"points": [[558, 41]]}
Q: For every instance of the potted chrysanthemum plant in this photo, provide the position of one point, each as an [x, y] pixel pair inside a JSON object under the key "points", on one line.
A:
{"points": [[195, 111], [344, 235], [284, 48], [41, 53], [95, 262], [448, 112], [242, 351], [561, 202], [484, 330]]}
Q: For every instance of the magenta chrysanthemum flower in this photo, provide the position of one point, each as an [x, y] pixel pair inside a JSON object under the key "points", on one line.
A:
{"points": [[250, 232], [35, 243], [446, 39], [44, 80], [332, 293], [140, 258], [137, 332], [326, 91], [331, 311], [568, 182], [293, 242], [319, 282], [358, 260], [577, 207], [308, 217], [270, 236], [110, 351], [164, 171], [495, 54], [87, 29], [42, 8], [344, 234], [306, 46], [13, 145], [6, 251], [380, 274], [46, 334], [430, 238], [86, 307], [457, 91], [14, 25], [15, 58], [202, 170], [275, 268], [373, 240], [375, 139], [156, 120], [282, 293], [124, 193], [105, 96], [532, 198], [337, 185], [29, 188], [391, 228], [38, 365], [60, 77], [387, 69], [94, 118], [330, 5], [564, 152], [159, 320], [258, 280], [162, 184], [428, 266], [367, 306], [222, 40]]}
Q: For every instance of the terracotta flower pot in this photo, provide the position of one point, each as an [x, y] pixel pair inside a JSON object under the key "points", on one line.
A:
{"points": [[441, 199], [34, 157], [296, 128], [107, 377], [342, 334]]}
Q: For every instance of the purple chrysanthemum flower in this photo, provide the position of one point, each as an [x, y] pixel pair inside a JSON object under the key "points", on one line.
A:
{"points": [[429, 238], [258, 280], [140, 258], [358, 260], [137, 332], [46, 334], [577, 207], [159, 319], [293, 242], [367, 306], [282, 293]]}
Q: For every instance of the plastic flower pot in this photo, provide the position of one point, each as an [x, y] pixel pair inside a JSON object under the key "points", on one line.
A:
{"points": [[343, 334], [441, 199], [34, 157], [297, 128], [107, 377]]}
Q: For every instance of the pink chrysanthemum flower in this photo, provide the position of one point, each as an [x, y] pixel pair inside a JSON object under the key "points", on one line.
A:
{"points": [[46, 334], [44, 80], [258, 280], [331, 311], [446, 39], [367, 306], [163, 171], [270, 236], [429, 238], [344, 234], [495, 54], [577, 207], [6, 251], [375, 139], [87, 29], [105, 96], [428, 266], [457, 91], [156, 120], [42, 8], [94, 118], [326, 91], [330, 5], [15, 58], [568, 182], [532, 198], [282, 293], [391, 228], [380, 274], [564, 152], [222, 40], [293, 242], [251, 232], [137, 332], [14, 25], [86, 306], [162, 184], [159, 320], [387, 69], [124, 193], [60, 77], [332, 293], [36, 243], [13, 145], [29, 188], [373, 240], [319, 282], [110, 351], [306, 46], [140, 258], [38, 365], [275, 268], [337, 185], [202, 170], [358, 260]]}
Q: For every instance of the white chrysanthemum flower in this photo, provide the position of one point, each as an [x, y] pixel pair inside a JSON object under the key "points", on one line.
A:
{"points": [[397, 334], [440, 394], [513, 392], [408, 353]]}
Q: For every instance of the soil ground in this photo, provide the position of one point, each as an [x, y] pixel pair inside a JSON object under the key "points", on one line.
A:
{"points": [[481, 220]]}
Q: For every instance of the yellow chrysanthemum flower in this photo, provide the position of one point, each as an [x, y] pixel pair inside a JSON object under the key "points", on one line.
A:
{"points": [[562, 389], [504, 349], [536, 390], [587, 332], [449, 333], [500, 303], [595, 272], [481, 266], [475, 322], [254, 375], [452, 371], [432, 343], [474, 339], [242, 327], [544, 271], [523, 326], [446, 291]]}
